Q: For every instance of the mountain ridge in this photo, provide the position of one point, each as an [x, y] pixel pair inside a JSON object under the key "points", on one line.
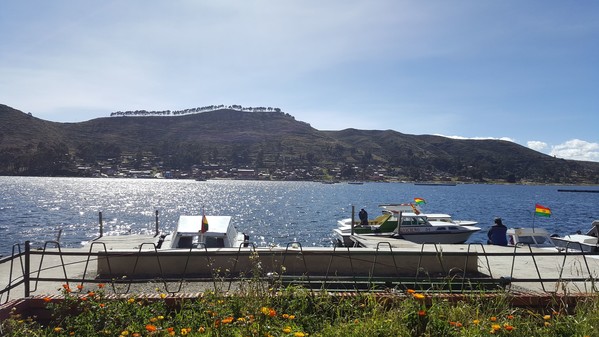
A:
{"points": [[267, 141]]}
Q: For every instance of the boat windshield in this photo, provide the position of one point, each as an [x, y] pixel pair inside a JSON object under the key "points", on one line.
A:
{"points": [[539, 241], [413, 221]]}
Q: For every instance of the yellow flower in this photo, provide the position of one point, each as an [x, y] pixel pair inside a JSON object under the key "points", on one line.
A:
{"points": [[496, 327], [476, 321], [202, 329], [125, 333], [299, 334], [287, 329], [285, 316], [160, 318], [547, 317], [131, 300], [291, 317], [163, 295], [264, 310], [547, 324], [57, 329]]}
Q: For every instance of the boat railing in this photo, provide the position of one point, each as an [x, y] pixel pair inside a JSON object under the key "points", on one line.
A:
{"points": [[381, 269]]}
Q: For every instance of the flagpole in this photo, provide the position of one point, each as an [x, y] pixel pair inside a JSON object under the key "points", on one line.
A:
{"points": [[533, 220]]}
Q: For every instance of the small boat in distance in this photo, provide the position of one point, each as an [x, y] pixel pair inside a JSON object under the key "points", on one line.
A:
{"points": [[435, 184], [404, 223]]}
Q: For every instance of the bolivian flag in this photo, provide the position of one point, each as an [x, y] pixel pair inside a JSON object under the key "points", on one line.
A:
{"points": [[204, 227], [419, 201], [541, 210]]}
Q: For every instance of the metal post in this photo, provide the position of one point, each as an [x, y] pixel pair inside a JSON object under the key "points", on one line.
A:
{"points": [[101, 225], [353, 214], [157, 231], [27, 268]]}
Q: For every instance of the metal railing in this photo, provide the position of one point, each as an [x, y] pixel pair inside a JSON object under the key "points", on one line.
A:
{"points": [[21, 273]]}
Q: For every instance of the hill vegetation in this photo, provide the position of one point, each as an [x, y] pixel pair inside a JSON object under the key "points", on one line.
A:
{"points": [[265, 140]]}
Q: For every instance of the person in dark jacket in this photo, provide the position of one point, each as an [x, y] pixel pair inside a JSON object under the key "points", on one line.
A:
{"points": [[497, 233], [363, 217]]}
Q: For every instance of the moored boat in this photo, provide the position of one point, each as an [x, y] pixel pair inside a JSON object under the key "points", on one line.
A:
{"points": [[533, 237], [218, 232], [588, 242], [430, 216], [404, 222]]}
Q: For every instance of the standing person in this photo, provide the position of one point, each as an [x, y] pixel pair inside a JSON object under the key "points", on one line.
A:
{"points": [[363, 217], [497, 233]]}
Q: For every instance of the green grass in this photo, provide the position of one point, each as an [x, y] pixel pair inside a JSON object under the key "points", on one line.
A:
{"points": [[259, 311]]}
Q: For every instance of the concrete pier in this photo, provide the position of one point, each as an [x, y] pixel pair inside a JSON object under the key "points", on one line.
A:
{"points": [[126, 258]]}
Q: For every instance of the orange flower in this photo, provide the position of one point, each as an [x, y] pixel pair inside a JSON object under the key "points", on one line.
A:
{"points": [[508, 327], [91, 294], [421, 313], [202, 329], [419, 297], [80, 287], [102, 305], [47, 299], [411, 291], [496, 327], [100, 285], [66, 287], [272, 313], [493, 319], [151, 327], [510, 316]]}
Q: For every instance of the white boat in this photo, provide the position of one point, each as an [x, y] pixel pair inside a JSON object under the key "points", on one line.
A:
{"points": [[403, 222], [588, 242], [533, 237], [432, 216], [220, 234]]}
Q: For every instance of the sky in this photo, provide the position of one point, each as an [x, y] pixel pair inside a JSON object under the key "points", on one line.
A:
{"points": [[523, 71]]}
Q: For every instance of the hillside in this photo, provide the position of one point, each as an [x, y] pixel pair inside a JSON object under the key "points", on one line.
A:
{"points": [[268, 141]]}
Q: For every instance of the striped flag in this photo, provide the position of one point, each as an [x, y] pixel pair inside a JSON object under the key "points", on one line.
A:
{"points": [[204, 227], [541, 210], [419, 201]]}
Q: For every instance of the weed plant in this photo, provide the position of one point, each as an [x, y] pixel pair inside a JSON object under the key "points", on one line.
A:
{"points": [[297, 312]]}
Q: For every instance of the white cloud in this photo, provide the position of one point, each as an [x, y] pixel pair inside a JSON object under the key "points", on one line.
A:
{"points": [[576, 149], [478, 138], [536, 145]]}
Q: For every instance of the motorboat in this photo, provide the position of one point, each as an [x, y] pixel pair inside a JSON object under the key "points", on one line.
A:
{"points": [[431, 216], [533, 237], [588, 242], [188, 234], [404, 221]]}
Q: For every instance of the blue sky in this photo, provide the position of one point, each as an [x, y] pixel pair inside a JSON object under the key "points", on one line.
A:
{"points": [[525, 71]]}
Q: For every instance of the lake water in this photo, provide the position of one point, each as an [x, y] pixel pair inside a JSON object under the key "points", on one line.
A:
{"points": [[35, 208]]}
